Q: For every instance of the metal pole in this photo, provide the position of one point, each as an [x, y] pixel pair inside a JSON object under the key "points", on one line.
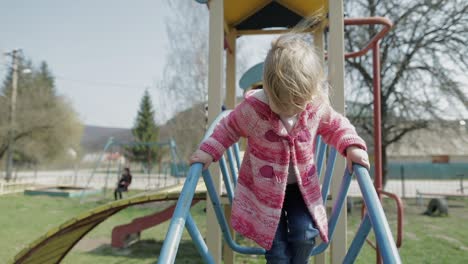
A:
{"points": [[461, 184], [12, 127], [384, 239], [377, 126], [109, 143], [176, 227], [402, 170], [377, 118], [106, 182]]}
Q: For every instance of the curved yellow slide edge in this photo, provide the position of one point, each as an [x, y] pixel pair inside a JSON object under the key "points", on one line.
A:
{"points": [[54, 245]]}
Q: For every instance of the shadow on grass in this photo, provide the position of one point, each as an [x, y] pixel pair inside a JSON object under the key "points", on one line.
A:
{"points": [[149, 249]]}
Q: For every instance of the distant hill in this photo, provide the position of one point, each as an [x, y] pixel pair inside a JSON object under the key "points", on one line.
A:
{"points": [[95, 137], [186, 128]]}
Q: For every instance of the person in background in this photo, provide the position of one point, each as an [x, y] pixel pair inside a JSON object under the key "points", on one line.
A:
{"points": [[122, 186]]}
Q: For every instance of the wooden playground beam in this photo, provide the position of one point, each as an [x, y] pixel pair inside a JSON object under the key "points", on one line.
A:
{"points": [[336, 77], [215, 86]]}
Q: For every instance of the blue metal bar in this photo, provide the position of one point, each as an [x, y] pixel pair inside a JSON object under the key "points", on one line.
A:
{"points": [[176, 227], [237, 153], [318, 142], [358, 240], [231, 166], [337, 208], [110, 142], [328, 175], [198, 240], [174, 157], [222, 219], [321, 157], [226, 178], [384, 237], [106, 182]]}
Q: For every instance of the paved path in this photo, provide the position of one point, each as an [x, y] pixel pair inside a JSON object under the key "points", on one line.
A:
{"points": [[155, 181], [83, 178]]}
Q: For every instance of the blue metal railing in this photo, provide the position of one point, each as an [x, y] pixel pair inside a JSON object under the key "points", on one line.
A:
{"points": [[377, 217], [181, 212], [374, 218]]}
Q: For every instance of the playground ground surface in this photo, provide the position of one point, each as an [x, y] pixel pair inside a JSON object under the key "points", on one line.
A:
{"points": [[24, 218]]}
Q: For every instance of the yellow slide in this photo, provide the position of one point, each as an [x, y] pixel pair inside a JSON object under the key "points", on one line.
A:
{"points": [[53, 246]]}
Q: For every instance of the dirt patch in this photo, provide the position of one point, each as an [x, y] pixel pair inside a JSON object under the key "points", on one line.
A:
{"points": [[89, 244]]}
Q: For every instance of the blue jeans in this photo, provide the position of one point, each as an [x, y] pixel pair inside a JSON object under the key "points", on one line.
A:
{"points": [[295, 236]]}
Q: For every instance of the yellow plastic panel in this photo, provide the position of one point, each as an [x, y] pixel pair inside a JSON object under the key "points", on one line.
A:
{"points": [[306, 7], [237, 10], [55, 249]]}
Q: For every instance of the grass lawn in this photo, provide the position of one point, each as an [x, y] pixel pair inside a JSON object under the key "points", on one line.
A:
{"points": [[24, 218], [425, 239]]}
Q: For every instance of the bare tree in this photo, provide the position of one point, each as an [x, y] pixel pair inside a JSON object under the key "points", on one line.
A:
{"points": [[185, 74], [186, 70], [420, 60], [184, 88]]}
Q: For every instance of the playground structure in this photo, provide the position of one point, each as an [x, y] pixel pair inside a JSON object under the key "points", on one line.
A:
{"points": [[56, 243], [231, 19], [252, 78], [53, 246], [112, 161]]}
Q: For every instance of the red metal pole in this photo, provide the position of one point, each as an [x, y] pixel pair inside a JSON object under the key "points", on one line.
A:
{"points": [[385, 22], [377, 119], [377, 126], [400, 215]]}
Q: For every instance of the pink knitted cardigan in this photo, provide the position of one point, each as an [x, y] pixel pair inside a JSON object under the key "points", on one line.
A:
{"points": [[263, 175]]}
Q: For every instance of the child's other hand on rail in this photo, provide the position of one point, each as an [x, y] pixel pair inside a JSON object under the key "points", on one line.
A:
{"points": [[202, 157], [356, 155]]}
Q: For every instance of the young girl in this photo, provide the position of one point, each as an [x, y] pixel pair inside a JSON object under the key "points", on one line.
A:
{"points": [[278, 200]]}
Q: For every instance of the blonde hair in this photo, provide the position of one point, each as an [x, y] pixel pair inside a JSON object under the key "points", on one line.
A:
{"points": [[292, 72]]}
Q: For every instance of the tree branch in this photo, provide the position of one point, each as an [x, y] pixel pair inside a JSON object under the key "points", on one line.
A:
{"points": [[20, 135]]}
